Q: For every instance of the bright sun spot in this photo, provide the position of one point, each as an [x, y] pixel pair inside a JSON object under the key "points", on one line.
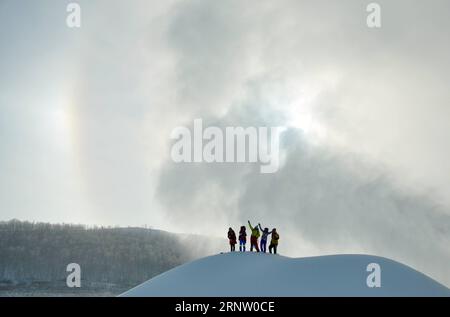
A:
{"points": [[59, 125], [301, 116], [302, 111]]}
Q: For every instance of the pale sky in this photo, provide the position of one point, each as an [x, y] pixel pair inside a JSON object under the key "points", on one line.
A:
{"points": [[86, 116]]}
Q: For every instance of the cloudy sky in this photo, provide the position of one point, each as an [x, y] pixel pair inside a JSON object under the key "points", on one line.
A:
{"points": [[86, 116]]}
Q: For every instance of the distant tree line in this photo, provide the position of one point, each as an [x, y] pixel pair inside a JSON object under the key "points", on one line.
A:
{"points": [[40, 252]]}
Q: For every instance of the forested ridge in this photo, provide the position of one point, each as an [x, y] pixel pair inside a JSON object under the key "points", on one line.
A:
{"points": [[40, 252]]}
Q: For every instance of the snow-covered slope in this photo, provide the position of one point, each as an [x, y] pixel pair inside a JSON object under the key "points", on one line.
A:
{"points": [[256, 274]]}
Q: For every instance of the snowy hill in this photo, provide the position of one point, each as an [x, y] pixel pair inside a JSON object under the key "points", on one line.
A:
{"points": [[255, 274]]}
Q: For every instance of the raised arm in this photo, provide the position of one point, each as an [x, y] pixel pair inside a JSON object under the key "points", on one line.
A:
{"points": [[250, 225], [260, 228]]}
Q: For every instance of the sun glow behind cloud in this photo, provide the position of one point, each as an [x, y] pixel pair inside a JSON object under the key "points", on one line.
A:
{"points": [[304, 112]]}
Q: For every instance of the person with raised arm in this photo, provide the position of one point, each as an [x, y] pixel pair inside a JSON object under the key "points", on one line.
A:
{"points": [[254, 237], [264, 235]]}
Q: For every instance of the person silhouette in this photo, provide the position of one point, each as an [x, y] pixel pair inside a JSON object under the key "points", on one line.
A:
{"points": [[254, 237], [274, 241], [264, 235], [232, 238], [242, 239]]}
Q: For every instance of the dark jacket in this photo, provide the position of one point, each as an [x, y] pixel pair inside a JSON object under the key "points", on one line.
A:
{"points": [[242, 235], [232, 236]]}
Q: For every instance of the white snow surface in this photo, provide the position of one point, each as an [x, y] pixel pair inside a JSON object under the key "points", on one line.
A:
{"points": [[265, 275]]}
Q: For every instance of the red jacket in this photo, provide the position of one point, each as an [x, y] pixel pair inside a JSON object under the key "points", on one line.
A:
{"points": [[232, 237]]}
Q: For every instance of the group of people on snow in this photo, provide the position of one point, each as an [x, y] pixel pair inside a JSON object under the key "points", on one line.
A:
{"points": [[255, 234]]}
